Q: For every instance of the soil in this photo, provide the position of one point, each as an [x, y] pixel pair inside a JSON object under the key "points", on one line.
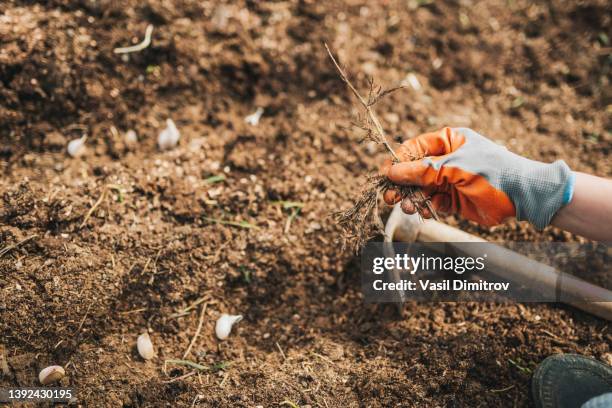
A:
{"points": [[535, 77]]}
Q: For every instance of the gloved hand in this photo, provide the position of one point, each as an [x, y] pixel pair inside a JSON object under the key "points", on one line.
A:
{"points": [[463, 172]]}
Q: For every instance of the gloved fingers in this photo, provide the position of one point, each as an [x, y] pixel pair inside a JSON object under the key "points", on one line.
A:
{"points": [[430, 191], [408, 173], [408, 206], [441, 202], [437, 143], [425, 213], [391, 197], [384, 168]]}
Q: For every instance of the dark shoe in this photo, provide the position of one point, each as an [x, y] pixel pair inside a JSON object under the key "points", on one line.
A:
{"points": [[569, 380]]}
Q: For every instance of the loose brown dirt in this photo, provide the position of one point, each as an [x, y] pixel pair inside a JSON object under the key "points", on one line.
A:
{"points": [[532, 76]]}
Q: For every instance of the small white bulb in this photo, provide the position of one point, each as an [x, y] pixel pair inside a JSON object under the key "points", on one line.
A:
{"points": [[253, 118], [169, 137], [145, 346], [413, 81], [130, 137], [51, 374], [76, 147], [223, 328]]}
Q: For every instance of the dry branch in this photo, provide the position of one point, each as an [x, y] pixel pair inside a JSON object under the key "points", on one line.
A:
{"points": [[359, 221], [197, 332], [105, 190], [366, 106], [9, 248]]}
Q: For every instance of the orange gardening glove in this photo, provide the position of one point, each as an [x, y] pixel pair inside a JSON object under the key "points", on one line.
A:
{"points": [[465, 173]]}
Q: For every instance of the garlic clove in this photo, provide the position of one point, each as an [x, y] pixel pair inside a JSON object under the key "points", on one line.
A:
{"points": [[169, 137], [76, 147], [413, 81], [253, 118], [224, 324], [51, 374], [145, 346], [130, 137]]}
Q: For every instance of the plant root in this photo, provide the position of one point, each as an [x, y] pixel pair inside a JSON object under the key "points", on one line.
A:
{"points": [[362, 222]]}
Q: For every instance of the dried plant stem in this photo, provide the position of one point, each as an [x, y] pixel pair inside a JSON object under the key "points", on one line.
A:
{"points": [[9, 248], [197, 332], [366, 106], [105, 190], [379, 129], [93, 208], [182, 377], [363, 217]]}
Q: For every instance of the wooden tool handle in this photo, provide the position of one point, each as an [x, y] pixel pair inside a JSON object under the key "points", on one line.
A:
{"points": [[511, 265]]}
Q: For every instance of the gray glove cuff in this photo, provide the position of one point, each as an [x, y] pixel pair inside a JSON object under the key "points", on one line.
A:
{"points": [[538, 190]]}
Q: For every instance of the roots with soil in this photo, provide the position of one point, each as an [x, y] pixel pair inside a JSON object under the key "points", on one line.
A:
{"points": [[361, 222]]}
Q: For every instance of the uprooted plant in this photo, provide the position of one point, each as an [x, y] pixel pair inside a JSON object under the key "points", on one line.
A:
{"points": [[362, 221]]}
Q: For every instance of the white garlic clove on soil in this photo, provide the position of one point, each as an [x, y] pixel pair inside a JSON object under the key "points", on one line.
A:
{"points": [[169, 137], [145, 347], [130, 137], [223, 328], [51, 374], [253, 118], [76, 147], [413, 81]]}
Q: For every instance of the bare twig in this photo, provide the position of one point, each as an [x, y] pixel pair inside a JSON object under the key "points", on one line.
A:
{"points": [[9, 248], [182, 377], [322, 357], [225, 377], [93, 208], [189, 308], [365, 105], [146, 265], [290, 219], [508, 388], [133, 311], [186, 363], [197, 332], [384, 92], [281, 351], [375, 96], [241, 224], [4, 368], [84, 317], [97, 203]]}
